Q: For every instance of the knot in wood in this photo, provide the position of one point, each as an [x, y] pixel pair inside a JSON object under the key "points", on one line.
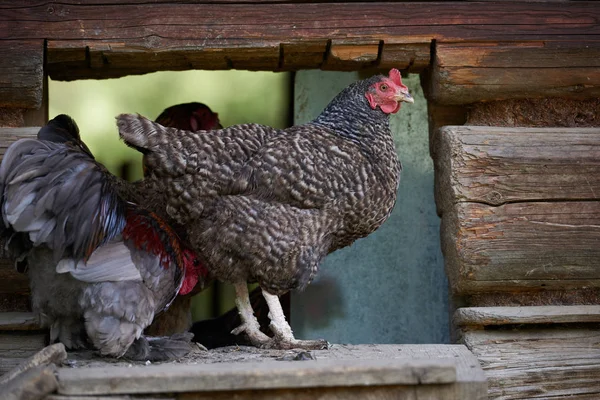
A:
{"points": [[495, 198]]}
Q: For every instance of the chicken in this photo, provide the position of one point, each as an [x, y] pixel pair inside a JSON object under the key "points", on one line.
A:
{"points": [[214, 332], [188, 116], [267, 205], [100, 267]]}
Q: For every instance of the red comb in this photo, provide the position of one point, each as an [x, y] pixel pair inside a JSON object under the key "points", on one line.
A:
{"points": [[396, 77]]}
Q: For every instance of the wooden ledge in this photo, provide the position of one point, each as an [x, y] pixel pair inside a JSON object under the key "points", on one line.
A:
{"points": [[19, 321], [382, 371], [495, 316]]}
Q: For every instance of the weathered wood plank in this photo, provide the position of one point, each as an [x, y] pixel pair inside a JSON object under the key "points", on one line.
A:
{"points": [[497, 165], [33, 384], [494, 316], [470, 382], [538, 363], [412, 57], [53, 354], [10, 135], [144, 33], [265, 375], [352, 54], [21, 344], [547, 112], [19, 321], [464, 74], [519, 246], [21, 72]]}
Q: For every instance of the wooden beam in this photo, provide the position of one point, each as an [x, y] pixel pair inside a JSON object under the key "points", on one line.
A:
{"points": [[546, 363], [53, 354], [19, 321], [521, 246], [264, 375], [108, 39], [498, 316], [468, 73], [496, 165], [21, 72]]}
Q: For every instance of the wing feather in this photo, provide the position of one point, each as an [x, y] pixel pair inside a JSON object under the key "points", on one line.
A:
{"points": [[59, 196]]}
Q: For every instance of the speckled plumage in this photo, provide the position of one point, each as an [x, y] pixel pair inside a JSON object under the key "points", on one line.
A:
{"points": [[267, 205]]}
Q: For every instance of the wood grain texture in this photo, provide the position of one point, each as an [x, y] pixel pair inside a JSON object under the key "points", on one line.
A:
{"points": [[469, 379], [539, 363], [53, 354], [495, 165], [19, 321], [497, 316], [470, 73], [33, 384], [108, 39], [21, 72], [266, 375], [522, 246]]}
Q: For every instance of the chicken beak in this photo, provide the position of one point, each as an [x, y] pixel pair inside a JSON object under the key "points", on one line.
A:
{"points": [[406, 97]]}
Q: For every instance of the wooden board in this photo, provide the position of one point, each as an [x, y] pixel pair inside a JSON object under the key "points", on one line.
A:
{"points": [[108, 39], [19, 321], [521, 246], [497, 316], [21, 72], [468, 73], [496, 165], [266, 375], [377, 371], [539, 363]]}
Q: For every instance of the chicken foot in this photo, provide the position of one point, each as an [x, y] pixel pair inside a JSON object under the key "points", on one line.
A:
{"points": [[284, 337], [249, 324]]}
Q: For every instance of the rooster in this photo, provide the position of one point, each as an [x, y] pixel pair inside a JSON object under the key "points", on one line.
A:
{"points": [[100, 267], [267, 205]]}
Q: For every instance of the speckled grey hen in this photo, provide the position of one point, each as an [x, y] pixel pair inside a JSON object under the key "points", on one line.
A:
{"points": [[267, 205]]}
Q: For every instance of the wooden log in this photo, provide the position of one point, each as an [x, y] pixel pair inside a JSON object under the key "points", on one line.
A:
{"points": [[538, 363], [499, 165], [21, 344], [53, 354], [522, 246], [547, 112], [410, 57], [497, 316], [33, 384], [19, 321], [265, 375], [10, 135], [153, 30], [21, 73], [469, 384], [351, 54], [469, 73]]}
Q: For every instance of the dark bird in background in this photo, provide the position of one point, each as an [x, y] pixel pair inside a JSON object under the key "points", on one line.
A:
{"points": [[100, 266], [267, 205]]}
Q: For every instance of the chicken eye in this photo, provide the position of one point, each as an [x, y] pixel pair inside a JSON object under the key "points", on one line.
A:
{"points": [[383, 87]]}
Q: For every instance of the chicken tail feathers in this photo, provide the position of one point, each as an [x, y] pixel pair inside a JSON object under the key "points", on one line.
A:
{"points": [[160, 348], [159, 144]]}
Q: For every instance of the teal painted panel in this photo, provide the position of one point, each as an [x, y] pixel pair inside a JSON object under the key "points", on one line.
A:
{"points": [[389, 287]]}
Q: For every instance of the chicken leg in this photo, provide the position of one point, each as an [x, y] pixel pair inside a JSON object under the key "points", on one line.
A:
{"points": [[249, 324], [284, 337]]}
